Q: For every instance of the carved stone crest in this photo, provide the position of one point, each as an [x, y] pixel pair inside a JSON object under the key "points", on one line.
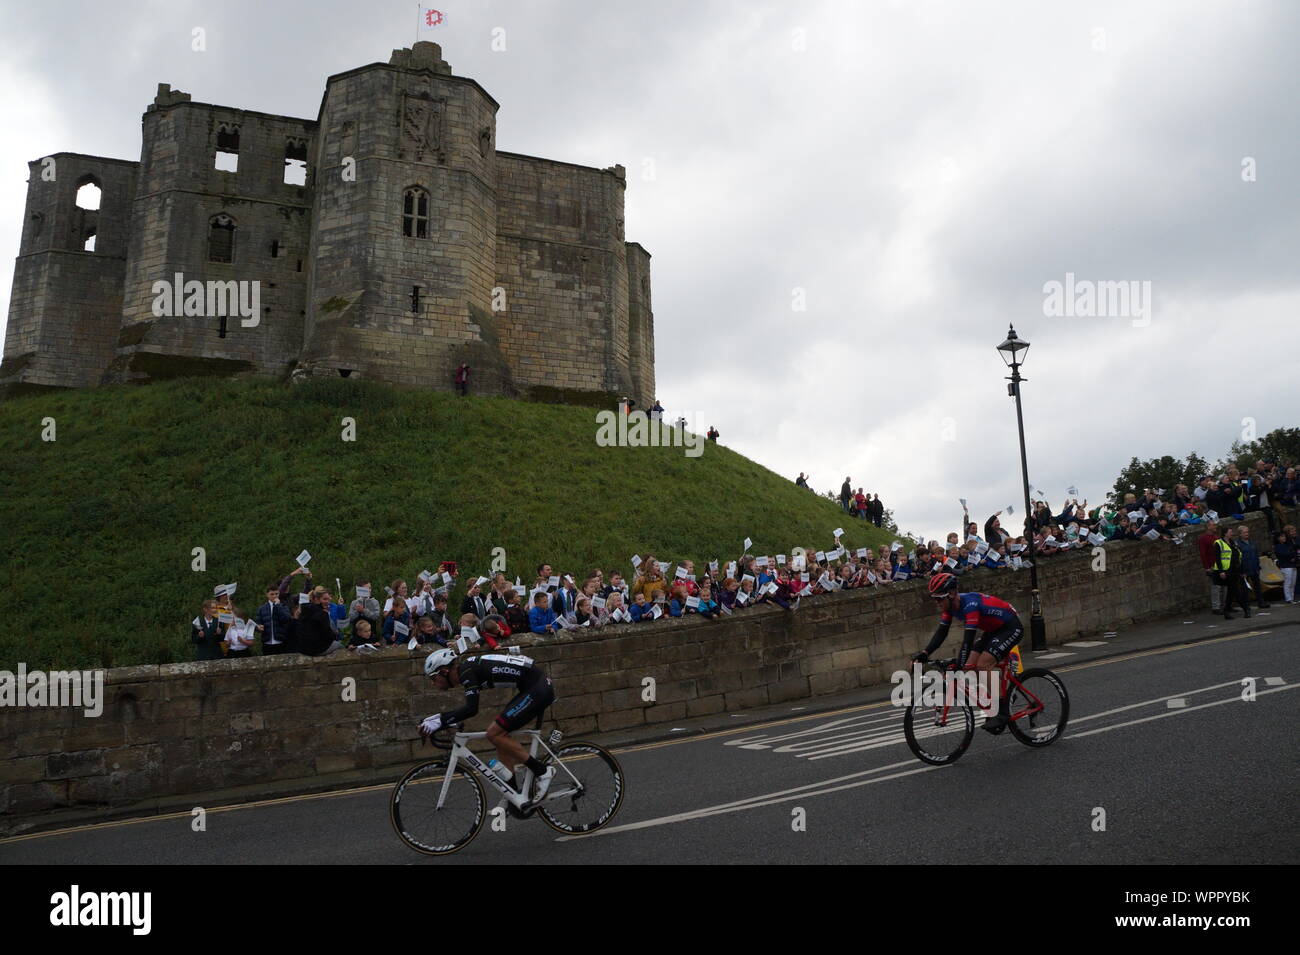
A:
{"points": [[422, 128]]}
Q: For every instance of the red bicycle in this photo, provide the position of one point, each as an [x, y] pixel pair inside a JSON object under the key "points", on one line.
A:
{"points": [[939, 732]]}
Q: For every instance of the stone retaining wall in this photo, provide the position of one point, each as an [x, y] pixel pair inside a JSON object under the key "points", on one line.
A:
{"points": [[198, 728]]}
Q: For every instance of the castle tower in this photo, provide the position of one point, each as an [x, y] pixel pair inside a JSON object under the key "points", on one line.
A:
{"points": [[223, 197], [388, 238], [404, 234], [67, 293]]}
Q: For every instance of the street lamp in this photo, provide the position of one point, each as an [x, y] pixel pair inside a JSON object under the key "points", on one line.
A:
{"points": [[1013, 352]]}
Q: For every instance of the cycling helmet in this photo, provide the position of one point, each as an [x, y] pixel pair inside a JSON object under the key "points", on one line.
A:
{"points": [[942, 584], [438, 659]]}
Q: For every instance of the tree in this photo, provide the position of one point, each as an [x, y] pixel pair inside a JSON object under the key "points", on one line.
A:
{"points": [[1164, 473], [1278, 447]]}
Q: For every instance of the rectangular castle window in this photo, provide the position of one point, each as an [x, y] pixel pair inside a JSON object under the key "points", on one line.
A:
{"points": [[295, 162], [227, 157]]}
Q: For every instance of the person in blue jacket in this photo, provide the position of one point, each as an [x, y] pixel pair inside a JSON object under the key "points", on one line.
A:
{"points": [[541, 618]]}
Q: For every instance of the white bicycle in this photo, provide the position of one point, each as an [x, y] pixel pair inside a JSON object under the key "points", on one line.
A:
{"points": [[439, 806]]}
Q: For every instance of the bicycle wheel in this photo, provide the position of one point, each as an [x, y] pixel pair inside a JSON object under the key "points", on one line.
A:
{"points": [[1039, 707], [592, 801], [421, 824], [939, 735]]}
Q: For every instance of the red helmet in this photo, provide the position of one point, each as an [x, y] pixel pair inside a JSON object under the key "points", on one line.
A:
{"points": [[942, 584]]}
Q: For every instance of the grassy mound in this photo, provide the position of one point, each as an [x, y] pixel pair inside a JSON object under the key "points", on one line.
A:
{"points": [[100, 524]]}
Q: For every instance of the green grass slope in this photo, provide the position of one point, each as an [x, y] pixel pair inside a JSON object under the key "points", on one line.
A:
{"points": [[99, 525]]}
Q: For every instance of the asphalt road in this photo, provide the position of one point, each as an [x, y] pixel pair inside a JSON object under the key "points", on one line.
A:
{"points": [[1161, 740]]}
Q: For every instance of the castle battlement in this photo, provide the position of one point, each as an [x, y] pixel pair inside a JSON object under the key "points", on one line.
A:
{"points": [[388, 239]]}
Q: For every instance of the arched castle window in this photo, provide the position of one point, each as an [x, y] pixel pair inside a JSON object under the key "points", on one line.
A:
{"points": [[295, 162], [88, 194], [227, 157], [221, 239], [415, 213]]}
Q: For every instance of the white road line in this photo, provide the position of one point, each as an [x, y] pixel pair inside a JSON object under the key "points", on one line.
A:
{"points": [[1274, 680], [770, 800], [1158, 699], [1160, 716], [1086, 643], [1176, 703], [811, 790], [1051, 656]]}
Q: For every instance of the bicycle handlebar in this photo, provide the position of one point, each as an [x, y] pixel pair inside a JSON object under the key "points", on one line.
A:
{"points": [[444, 738]]}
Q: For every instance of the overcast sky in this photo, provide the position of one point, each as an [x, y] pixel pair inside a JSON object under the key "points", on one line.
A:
{"points": [[913, 172]]}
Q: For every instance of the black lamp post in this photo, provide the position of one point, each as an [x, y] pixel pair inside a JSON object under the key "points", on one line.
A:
{"points": [[1013, 352]]}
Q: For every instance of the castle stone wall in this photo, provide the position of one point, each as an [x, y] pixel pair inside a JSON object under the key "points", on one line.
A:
{"points": [[342, 289], [66, 303], [181, 190]]}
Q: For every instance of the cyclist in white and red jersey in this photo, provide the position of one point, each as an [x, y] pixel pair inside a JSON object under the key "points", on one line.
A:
{"points": [[992, 628]]}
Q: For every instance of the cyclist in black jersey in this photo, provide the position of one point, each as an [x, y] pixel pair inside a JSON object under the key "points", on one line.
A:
{"points": [[534, 694]]}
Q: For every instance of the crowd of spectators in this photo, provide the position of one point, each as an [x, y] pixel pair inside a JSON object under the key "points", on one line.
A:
{"points": [[316, 621]]}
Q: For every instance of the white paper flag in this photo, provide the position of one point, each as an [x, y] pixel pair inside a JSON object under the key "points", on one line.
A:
{"points": [[363, 593], [425, 576], [636, 561], [400, 628], [780, 560], [761, 562], [304, 599], [681, 573], [553, 581], [861, 552], [693, 602], [838, 533], [412, 644], [303, 558], [748, 544], [741, 597]]}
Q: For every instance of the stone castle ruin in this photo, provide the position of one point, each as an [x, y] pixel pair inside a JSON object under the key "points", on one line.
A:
{"points": [[387, 239]]}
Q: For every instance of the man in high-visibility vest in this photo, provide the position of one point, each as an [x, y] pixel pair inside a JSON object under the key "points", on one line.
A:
{"points": [[1228, 567]]}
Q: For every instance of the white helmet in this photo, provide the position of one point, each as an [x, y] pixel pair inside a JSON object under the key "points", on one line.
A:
{"points": [[438, 659]]}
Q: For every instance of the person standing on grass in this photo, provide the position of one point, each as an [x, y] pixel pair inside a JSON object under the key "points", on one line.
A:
{"points": [[462, 379], [846, 494], [316, 637], [272, 620], [207, 633], [238, 645]]}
